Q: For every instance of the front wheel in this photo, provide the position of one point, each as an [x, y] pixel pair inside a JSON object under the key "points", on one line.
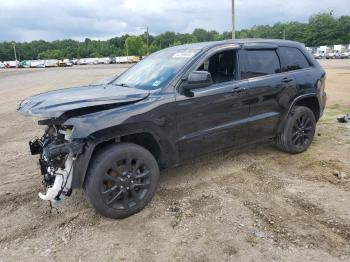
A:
{"points": [[121, 180], [298, 132]]}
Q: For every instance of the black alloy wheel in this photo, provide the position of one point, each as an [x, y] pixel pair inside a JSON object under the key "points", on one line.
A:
{"points": [[121, 180], [302, 131], [125, 183], [298, 131]]}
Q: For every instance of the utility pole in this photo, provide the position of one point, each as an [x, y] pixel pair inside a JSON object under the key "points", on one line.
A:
{"points": [[147, 41], [147, 36], [283, 33], [14, 50], [127, 51], [233, 20]]}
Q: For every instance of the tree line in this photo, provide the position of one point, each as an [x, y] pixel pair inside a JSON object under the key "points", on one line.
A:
{"points": [[321, 29]]}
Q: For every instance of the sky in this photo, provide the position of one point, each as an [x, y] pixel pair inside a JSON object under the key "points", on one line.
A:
{"points": [[26, 20]]}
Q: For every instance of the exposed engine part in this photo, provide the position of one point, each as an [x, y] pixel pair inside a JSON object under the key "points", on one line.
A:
{"points": [[35, 147], [62, 182], [53, 192], [57, 155], [51, 151]]}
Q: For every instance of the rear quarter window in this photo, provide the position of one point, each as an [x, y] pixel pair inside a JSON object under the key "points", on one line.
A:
{"points": [[260, 63], [293, 59]]}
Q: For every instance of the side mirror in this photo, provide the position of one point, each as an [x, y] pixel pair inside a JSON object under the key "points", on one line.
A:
{"points": [[196, 79]]}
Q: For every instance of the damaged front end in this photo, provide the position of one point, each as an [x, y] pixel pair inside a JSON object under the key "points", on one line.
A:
{"points": [[57, 154], [60, 149]]}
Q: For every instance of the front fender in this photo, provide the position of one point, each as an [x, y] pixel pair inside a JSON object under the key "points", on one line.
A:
{"points": [[169, 153], [154, 115]]}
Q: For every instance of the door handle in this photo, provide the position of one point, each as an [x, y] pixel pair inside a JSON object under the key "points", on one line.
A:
{"points": [[287, 80], [237, 90]]}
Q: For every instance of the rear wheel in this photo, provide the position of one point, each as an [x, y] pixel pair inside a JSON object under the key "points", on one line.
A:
{"points": [[298, 132], [121, 180]]}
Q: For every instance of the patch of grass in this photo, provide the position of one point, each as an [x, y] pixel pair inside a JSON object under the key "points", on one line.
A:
{"points": [[333, 112]]}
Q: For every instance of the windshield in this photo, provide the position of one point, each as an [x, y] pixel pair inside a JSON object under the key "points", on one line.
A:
{"points": [[157, 70]]}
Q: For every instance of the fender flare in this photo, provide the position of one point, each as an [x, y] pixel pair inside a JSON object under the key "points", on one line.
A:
{"points": [[81, 164], [290, 108]]}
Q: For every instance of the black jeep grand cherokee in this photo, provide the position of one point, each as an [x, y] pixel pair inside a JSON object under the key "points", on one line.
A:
{"points": [[176, 104]]}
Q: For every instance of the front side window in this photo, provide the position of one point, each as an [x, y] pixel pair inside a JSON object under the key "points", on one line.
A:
{"points": [[260, 63], [294, 59], [157, 70], [221, 66]]}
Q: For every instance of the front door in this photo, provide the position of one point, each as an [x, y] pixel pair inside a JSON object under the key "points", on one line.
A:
{"points": [[215, 117]]}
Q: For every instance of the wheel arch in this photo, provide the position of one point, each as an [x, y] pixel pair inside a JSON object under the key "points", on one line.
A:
{"points": [[162, 150], [308, 100]]}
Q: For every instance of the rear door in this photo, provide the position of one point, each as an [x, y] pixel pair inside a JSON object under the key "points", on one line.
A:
{"points": [[295, 62], [267, 85], [309, 77]]}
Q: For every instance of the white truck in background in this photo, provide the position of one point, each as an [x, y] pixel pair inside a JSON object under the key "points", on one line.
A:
{"points": [[337, 51], [11, 64], [321, 52], [104, 60], [37, 63], [51, 63], [346, 52]]}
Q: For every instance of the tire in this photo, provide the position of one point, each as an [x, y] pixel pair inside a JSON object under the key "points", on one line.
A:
{"points": [[298, 131], [121, 180]]}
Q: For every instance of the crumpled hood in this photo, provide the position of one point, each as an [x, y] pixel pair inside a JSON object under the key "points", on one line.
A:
{"points": [[53, 104]]}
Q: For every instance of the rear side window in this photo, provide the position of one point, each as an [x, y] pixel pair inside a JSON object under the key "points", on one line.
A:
{"points": [[294, 59], [260, 63]]}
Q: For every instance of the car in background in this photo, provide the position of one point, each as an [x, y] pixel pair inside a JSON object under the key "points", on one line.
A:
{"points": [[65, 63], [11, 64], [37, 63], [319, 55], [335, 54], [345, 55], [51, 63], [24, 64]]}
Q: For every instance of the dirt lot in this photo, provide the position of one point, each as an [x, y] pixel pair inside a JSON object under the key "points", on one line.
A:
{"points": [[257, 204]]}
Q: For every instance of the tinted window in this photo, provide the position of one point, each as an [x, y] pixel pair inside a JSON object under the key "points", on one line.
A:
{"points": [[294, 59], [221, 66], [260, 63]]}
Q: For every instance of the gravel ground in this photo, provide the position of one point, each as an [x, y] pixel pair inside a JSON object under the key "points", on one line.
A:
{"points": [[255, 204]]}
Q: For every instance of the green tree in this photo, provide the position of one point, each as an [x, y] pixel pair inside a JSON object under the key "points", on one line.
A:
{"points": [[166, 39], [153, 48], [95, 54], [323, 29], [344, 29], [51, 54], [135, 45]]}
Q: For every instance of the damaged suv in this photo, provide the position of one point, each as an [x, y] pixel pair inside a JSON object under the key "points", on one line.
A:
{"points": [[111, 139]]}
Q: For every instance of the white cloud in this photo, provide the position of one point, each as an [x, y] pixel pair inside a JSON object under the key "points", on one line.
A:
{"points": [[24, 20]]}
